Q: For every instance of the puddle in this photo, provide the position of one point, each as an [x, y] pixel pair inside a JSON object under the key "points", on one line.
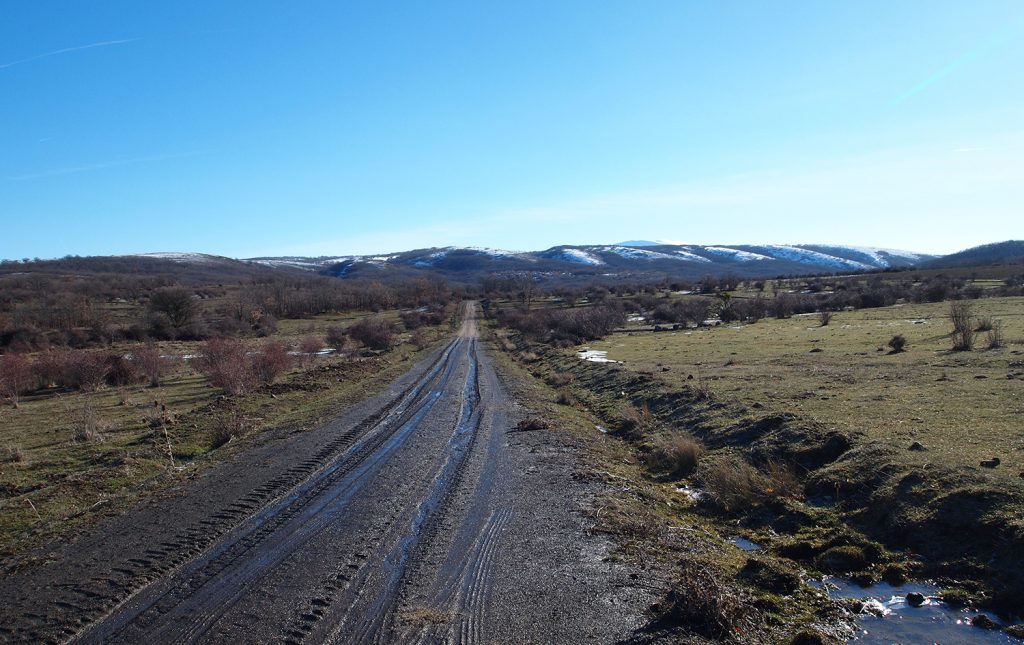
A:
{"points": [[594, 356], [888, 618], [745, 544]]}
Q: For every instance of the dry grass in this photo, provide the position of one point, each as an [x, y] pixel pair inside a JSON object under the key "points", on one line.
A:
{"points": [[925, 393], [676, 456], [426, 617], [699, 601], [734, 485]]}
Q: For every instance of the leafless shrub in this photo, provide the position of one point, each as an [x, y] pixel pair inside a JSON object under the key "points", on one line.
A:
{"points": [[676, 456], [336, 337], [734, 485], [963, 331], [149, 362], [375, 333], [700, 601], [120, 370], [223, 361], [995, 335], [565, 397], [16, 377], [270, 362], [311, 344], [824, 317], [86, 371]]}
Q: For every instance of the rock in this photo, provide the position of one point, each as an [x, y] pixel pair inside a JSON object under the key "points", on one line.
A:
{"points": [[984, 622], [816, 350], [1017, 631], [917, 446], [915, 599], [990, 463], [809, 637]]}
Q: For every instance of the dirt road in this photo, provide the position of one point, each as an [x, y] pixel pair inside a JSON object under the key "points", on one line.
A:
{"points": [[420, 516]]}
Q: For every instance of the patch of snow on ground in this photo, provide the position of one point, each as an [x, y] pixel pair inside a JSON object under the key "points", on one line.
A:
{"points": [[736, 254], [689, 255], [594, 356]]}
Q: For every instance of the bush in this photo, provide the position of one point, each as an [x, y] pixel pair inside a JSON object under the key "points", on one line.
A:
{"points": [[375, 333], [897, 343], [177, 304], [698, 600], [120, 370], [233, 427], [677, 456], [825, 317], [963, 331], [270, 362], [16, 377], [223, 361], [86, 371], [149, 362], [336, 337]]}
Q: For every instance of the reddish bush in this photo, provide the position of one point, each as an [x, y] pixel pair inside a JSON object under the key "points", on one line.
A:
{"points": [[149, 362], [16, 377], [120, 370], [86, 371], [270, 362], [375, 333], [223, 361], [336, 337]]}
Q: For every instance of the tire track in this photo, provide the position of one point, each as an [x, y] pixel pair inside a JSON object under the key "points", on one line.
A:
{"points": [[358, 447]]}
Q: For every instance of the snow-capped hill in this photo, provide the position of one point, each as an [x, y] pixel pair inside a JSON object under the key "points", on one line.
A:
{"points": [[184, 258]]}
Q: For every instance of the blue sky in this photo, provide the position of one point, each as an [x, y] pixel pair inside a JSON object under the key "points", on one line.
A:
{"points": [[322, 128]]}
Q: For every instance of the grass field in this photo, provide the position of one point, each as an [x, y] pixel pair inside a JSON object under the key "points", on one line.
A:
{"points": [[962, 406], [67, 454]]}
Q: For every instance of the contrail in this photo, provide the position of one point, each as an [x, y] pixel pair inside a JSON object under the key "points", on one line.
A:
{"points": [[1000, 39], [107, 164], [67, 50]]}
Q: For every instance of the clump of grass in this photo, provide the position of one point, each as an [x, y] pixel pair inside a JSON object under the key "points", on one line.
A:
{"points": [[984, 324], [897, 344], [842, 559], [233, 427], [15, 455], [733, 484], [700, 601], [565, 397], [532, 423], [86, 426], [637, 421], [995, 335], [560, 379], [782, 480], [677, 456]]}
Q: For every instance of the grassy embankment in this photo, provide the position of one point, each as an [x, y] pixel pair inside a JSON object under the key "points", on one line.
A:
{"points": [[826, 414]]}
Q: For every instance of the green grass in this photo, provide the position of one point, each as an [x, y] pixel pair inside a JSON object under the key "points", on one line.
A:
{"points": [[961, 405]]}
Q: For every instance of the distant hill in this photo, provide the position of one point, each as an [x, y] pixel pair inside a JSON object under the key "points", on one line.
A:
{"points": [[635, 260], [1008, 252]]}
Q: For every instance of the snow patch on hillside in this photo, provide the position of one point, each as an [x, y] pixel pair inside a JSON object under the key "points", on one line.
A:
{"points": [[738, 255], [579, 256], [807, 256]]}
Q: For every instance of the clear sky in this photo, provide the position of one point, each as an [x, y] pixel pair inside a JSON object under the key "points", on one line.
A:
{"points": [[263, 127]]}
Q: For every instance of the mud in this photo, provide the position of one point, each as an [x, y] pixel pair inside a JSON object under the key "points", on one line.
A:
{"points": [[415, 517]]}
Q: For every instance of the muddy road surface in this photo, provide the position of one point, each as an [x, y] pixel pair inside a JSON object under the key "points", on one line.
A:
{"points": [[420, 516]]}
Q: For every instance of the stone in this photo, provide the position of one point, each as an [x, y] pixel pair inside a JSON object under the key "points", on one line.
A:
{"points": [[915, 599], [984, 622]]}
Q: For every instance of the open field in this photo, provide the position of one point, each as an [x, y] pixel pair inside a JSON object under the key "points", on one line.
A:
{"points": [[963, 406], [70, 455]]}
